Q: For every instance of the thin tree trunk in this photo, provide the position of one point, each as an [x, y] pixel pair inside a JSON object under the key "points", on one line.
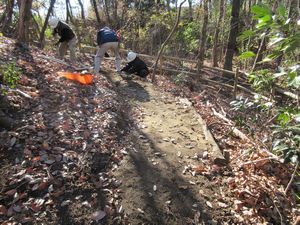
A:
{"points": [[106, 6], [168, 5], [42, 34], [203, 35], [36, 29], [96, 11], [259, 52], [190, 10], [82, 9], [7, 16], [166, 41], [115, 13], [24, 21], [69, 11], [216, 35], [231, 45]]}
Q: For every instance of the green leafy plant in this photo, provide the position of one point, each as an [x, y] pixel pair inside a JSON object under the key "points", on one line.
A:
{"points": [[261, 80], [282, 36], [287, 134], [10, 74], [181, 79]]}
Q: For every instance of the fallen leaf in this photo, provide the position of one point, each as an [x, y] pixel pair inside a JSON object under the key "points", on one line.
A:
{"points": [[98, 215], [222, 205], [184, 187], [199, 169], [65, 203], [17, 208], [140, 210], [35, 187], [58, 193], [3, 210], [10, 211], [13, 141], [11, 192], [43, 186], [209, 204], [86, 203], [26, 220], [36, 159], [34, 207]]}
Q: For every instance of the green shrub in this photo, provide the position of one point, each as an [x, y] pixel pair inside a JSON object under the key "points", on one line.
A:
{"points": [[9, 74]]}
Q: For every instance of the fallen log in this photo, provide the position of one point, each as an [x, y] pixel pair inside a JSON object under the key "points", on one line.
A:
{"points": [[216, 82], [236, 131], [216, 155]]}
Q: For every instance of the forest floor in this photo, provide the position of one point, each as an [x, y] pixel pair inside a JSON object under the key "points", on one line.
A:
{"points": [[127, 152]]}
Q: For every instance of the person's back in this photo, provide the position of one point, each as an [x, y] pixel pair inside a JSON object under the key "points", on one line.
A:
{"points": [[64, 31], [106, 35], [67, 38], [107, 39]]}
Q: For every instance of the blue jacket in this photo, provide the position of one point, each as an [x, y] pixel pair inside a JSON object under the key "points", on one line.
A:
{"points": [[106, 35]]}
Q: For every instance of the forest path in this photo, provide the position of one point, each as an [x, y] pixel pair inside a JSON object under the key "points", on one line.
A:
{"points": [[168, 148]]}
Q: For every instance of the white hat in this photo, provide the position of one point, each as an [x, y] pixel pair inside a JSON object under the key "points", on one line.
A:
{"points": [[131, 56], [53, 22]]}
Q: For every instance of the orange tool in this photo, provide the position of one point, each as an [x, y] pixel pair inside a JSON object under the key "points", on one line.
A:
{"points": [[81, 78]]}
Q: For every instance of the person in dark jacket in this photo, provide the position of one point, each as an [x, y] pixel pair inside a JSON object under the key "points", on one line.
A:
{"points": [[135, 65], [107, 39], [67, 37]]}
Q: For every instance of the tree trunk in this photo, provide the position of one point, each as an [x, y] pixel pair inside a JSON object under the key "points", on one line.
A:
{"points": [[203, 35], [69, 12], [168, 5], [7, 16], [190, 10], [36, 28], [216, 35], [223, 34], [82, 9], [258, 57], [231, 45], [42, 34], [115, 13], [24, 21], [106, 11], [96, 11], [166, 41]]}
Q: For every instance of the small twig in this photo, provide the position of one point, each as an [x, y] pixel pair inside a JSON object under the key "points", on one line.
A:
{"points": [[258, 160], [270, 120], [15, 90], [291, 180], [281, 219]]}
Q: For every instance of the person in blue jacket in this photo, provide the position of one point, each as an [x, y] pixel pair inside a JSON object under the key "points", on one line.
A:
{"points": [[107, 39]]}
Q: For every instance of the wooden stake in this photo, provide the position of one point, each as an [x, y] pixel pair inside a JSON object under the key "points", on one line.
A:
{"points": [[236, 76], [161, 64]]}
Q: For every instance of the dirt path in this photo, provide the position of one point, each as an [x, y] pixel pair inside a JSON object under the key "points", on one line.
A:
{"points": [[168, 148]]}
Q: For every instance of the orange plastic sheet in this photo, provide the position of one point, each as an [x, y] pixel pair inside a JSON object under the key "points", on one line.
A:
{"points": [[81, 78]]}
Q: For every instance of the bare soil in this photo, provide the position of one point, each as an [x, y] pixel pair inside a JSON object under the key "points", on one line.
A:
{"points": [[167, 143]]}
